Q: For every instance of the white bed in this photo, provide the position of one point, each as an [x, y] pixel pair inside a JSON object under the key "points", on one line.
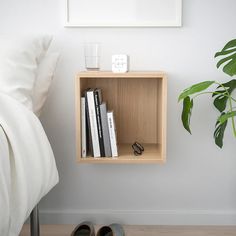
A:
{"points": [[27, 165]]}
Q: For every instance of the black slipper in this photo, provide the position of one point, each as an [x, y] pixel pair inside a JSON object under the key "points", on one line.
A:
{"points": [[86, 228], [111, 230]]}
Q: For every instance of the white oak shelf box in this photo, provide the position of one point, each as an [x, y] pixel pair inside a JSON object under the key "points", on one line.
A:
{"points": [[138, 100]]}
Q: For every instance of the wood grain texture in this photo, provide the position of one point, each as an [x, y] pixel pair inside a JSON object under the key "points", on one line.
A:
{"points": [[138, 100], [65, 230], [132, 74], [137, 116], [152, 154]]}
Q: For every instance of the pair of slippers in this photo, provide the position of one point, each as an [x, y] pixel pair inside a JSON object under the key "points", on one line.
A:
{"points": [[87, 229]]}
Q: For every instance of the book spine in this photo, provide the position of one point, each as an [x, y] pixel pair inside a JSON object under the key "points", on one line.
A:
{"points": [[99, 122], [112, 133], [99, 92], [105, 131], [88, 128], [93, 123], [83, 129]]}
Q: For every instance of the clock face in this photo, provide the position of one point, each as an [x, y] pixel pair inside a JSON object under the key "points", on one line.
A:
{"points": [[119, 63]]}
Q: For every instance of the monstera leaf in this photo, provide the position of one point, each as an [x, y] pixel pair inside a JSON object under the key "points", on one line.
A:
{"points": [[186, 113], [221, 94], [219, 131], [228, 54]]}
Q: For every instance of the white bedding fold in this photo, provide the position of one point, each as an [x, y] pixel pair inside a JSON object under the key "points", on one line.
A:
{"points": [[27, 165], [5, 183]]}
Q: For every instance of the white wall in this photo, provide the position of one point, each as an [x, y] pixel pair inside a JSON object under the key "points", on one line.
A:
{"points": [[197, 185]]}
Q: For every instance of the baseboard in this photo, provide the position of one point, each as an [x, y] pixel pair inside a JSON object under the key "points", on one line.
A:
{"points": [[144, 217]]}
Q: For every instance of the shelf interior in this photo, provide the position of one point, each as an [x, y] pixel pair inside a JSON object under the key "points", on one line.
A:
{"points": [[136, 104], [138, 107]]}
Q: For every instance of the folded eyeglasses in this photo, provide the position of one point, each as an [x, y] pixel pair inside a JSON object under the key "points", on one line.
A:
{"points": [[138, 148]]}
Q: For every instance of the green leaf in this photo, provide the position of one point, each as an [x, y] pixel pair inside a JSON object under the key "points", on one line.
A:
{"points": [[220, 102], [196, 88], [230, 44], [186, 113], [222, 53], [230, 58], [230, 68], [222, 61], [219, 132], [221, 99], [226, 116]]}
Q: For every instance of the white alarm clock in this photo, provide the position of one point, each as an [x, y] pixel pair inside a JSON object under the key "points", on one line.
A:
{"points": [[120, 63]]}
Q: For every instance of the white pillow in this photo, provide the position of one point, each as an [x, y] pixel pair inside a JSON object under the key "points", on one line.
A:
{"points": [[43, 81], [19, 58]]}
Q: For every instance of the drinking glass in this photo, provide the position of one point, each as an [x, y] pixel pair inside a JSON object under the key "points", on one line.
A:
{"points": [[92, 53]]}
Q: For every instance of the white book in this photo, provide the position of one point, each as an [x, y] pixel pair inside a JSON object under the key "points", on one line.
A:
{"points": [[93, 123], [112, 133], [83, 128]]}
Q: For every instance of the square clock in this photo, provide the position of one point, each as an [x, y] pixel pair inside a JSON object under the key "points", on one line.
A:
{"points": [[120, 63]]}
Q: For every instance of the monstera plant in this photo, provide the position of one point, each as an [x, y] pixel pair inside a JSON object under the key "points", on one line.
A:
{"points": [[221, 94]]}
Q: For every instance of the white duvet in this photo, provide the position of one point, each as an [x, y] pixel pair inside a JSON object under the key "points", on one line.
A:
{"points": [[27, 166]]}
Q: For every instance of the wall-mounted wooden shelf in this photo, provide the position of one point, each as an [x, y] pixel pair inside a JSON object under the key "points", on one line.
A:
{"points": [[139, 103]]}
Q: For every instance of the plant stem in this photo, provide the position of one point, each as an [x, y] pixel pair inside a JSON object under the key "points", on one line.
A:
{"points": [[233, 99], [226, 93], [206, 93], [230, 106]]}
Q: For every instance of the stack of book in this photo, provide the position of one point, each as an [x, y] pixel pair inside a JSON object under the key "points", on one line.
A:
{"points": [[97, 126]]}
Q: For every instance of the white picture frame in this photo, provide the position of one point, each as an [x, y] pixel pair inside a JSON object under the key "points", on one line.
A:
{"points": [[123, 13]]}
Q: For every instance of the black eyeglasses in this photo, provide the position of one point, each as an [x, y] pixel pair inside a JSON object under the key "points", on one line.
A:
{"points": [[138, 148]]}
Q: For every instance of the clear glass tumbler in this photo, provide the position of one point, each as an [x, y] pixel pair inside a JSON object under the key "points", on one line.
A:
{"points": [[92, 53]]}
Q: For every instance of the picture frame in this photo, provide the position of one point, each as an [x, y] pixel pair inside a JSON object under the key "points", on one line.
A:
{"points": [[123, 13]]}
